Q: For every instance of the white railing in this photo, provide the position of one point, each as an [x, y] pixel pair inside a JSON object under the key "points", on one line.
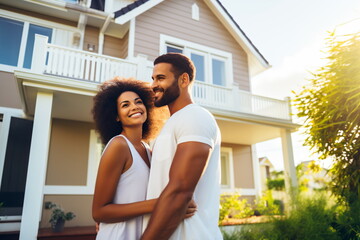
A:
{"points": [[87, 66], [82, 65], [233, 99]]}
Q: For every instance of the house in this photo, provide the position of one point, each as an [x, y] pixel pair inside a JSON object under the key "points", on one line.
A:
{"points": [[266, 167], [54, 54]]}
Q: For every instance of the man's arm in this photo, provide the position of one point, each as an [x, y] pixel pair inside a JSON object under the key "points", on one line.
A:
{"points": [[187, 167]]}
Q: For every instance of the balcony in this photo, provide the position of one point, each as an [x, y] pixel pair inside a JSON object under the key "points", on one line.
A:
{"points": [[50, 59]]}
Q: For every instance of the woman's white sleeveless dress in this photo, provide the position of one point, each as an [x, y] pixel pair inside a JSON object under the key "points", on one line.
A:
{"points": [[132, 187]]}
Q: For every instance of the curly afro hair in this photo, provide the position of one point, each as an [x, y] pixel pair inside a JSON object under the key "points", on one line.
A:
{"points": [[105, 106]]}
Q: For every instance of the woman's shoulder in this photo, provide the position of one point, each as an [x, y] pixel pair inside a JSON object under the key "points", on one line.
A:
{"points": [[117, 143]]}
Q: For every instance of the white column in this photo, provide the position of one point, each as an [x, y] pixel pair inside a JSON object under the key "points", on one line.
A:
{"points": [[256, 170], [289, 165], [142, 63], [39, 54], [36, 174], [131, 43]]}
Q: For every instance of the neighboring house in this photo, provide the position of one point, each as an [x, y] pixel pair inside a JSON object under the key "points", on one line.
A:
{"points": [[312, 176], [54, 54], [266, 167]]}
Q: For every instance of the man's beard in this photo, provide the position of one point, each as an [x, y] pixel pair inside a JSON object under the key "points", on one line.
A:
{"points": [[169, 95]]}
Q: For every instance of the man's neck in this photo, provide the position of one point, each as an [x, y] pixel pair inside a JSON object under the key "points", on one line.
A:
{"points": [[179, 104]]}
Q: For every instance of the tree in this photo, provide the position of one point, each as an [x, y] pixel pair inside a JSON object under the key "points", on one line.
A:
{"points": [[330, 106]]}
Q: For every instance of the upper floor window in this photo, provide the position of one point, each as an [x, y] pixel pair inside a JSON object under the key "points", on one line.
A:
{"points": [[213, 66], [16, 49], [20, 35]]}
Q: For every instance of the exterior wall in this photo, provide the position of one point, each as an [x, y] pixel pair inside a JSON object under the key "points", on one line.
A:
{"points": [[68, 153], [41, 16], [79, 205], [91, 37], [9, 93], [173, 18], [116, 47], [243, 169]]}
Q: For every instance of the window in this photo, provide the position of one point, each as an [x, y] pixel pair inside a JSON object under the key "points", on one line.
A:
{"points": [[10, 45], [199, 61], [218, 72], [16, 48], [213, 66], [227, 168], [34, 29]]}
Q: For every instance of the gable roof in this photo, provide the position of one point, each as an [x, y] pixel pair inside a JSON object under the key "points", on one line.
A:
{"points": [[257, 62]]}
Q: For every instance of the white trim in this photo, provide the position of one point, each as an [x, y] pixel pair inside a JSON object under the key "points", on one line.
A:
{"points": [[238, 35], [33, 20], [208, 52], [22, 49], [36, 173], [93, 164], [137, 11], [131, 42], [231, 178], [256, 170], [241, 191]]}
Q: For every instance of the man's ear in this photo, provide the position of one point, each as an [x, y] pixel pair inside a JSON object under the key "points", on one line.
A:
{"points": [[184, 80]]}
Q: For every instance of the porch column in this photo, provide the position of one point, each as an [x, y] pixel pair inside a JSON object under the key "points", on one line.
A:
{"points": [[256, 171], [36, 174], [289, 165]]}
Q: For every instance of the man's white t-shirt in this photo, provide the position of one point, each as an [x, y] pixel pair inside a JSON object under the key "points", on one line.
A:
{"points": [[190, 124]]}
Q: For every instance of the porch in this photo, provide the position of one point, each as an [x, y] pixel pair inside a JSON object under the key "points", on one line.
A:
{"points": [[78, 65]]}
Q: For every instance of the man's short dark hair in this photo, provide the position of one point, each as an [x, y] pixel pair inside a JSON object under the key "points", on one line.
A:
{"points": [[180, 64]]}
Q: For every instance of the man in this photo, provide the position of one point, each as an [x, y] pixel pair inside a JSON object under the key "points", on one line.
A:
{"points": [[185, 160]]}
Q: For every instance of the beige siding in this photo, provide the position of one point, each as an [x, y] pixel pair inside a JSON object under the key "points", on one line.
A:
{"points": [[37, 15], [68, 153], [173, 18], [9, 93], [243, 169], [91, 38], [116, 47], [79, 205]]}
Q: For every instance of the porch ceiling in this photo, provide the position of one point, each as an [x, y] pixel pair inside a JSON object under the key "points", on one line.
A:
{"points": [[71, 101], [247, 133]]}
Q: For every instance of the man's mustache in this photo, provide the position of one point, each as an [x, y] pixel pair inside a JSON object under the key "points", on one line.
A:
{"points": [[158, 89]]}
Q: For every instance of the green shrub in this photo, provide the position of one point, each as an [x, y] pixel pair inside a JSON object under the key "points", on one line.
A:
{"points": [[309, 219], [232, 207], [267, 205]]}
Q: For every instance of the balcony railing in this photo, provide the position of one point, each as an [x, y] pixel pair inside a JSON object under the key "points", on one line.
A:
{"points": [[82, 65]]}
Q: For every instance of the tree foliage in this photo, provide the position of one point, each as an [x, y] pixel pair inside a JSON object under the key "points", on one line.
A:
{"points": [[330, 106]]}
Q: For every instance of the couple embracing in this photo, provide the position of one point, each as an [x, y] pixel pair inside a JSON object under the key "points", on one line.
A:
{"points": [[171, 192]]}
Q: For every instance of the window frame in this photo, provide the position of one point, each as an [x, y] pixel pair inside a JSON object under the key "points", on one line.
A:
{"points": [[231, 178], [210, 53], [27, 20]]}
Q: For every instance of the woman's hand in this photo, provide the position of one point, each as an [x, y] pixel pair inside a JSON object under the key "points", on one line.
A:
{"points": [[191, 210]]}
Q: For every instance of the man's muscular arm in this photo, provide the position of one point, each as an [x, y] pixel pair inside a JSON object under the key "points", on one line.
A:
{"points": [[187, 167]]}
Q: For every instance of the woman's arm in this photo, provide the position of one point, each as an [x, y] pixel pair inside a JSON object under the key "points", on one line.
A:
{"points": [[115, 159]]}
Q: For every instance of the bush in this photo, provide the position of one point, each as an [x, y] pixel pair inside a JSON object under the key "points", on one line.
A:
{"points": [[309, 219], [232, 207], [268, 206]]}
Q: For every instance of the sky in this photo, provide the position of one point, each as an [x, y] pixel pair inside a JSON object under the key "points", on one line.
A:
{"points": [[290, 34]]}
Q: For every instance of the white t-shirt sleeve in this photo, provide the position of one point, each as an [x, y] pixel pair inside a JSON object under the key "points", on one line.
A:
{"points": [[196, 125]]}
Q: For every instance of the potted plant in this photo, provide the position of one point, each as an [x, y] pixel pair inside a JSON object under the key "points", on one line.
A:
{"points": [[58, 217]]}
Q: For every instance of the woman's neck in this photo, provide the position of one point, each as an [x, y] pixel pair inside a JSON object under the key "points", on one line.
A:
{"points": [[134, 134]]}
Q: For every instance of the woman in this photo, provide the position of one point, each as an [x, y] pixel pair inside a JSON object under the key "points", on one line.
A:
{"points": [[122, 110]]}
